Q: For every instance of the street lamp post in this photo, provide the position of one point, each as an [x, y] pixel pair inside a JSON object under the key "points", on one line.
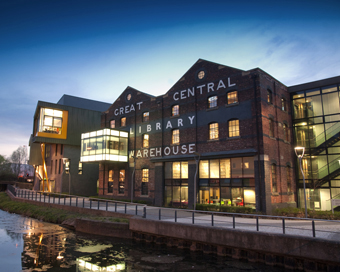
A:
{"points": [[197, 159], [300, 151]]}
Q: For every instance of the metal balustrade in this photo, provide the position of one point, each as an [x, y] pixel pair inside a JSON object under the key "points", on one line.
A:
{"points": [[317, 228]]}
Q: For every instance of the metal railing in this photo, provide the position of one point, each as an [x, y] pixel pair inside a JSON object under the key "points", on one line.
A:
{"points": [[317, 228]]}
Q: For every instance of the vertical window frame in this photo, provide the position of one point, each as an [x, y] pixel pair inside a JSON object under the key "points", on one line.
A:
{"points": [[233, 128], [175, 140], [213, 131], [212, 101], [175, 110]]}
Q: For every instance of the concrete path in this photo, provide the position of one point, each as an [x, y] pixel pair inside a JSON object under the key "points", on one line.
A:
{"points": [[325, 229]]}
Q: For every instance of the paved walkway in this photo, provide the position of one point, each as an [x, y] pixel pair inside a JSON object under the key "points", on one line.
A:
{"points": [[325, 229]]}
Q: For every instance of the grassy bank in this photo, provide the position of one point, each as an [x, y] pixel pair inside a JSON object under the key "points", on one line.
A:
{"points": [[47, 214]]}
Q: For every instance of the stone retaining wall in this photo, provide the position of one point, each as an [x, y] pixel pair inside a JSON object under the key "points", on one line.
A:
{"points": [[293, 252]]}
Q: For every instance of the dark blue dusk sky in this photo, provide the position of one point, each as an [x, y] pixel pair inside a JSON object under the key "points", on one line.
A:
{"points": [[95, 49]]}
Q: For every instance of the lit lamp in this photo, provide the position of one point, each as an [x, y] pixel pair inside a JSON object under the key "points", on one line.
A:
{"points": [[67, 163], [197, 159], [300, 151]]}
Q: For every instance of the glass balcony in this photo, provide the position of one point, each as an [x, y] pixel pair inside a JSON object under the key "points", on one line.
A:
{"points": [[104, 145]]}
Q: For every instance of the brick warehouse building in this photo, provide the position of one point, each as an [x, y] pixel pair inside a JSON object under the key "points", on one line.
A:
{"points": [[235, 125]]}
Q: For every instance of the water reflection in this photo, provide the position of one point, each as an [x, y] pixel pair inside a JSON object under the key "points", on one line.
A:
{"points": [[30, 245]]}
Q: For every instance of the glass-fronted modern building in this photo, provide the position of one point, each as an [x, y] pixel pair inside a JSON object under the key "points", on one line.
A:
{"points": [[316, 119]]}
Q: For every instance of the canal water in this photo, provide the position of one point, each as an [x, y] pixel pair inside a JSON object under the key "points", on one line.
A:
{"points": [[30, 245]]}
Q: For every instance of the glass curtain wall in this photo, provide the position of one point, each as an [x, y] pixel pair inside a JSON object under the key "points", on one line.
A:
{"points": [[317, 128], [227, 182]]}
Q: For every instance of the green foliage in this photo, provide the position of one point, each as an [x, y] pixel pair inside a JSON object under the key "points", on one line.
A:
{"points": [[121, 200], [230, 209], [52, 215], [298, 212], [6, 172]]}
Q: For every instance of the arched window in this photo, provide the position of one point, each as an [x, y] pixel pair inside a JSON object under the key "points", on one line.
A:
{"points": [[212, 102], [283, 104], [110, 182], [121, 181], [175, 136], [146, 116], [234, 128], [285, 133], [123, 121], [146, 140], [273, 174], [112, 123], [175, 110], [213, 131], [269, 96], [232, 97]]}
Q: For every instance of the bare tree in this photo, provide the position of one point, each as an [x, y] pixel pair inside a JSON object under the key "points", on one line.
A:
{"points": [[18, 158]]}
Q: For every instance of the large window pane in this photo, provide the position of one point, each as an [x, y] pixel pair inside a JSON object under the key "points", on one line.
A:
{"points": [[225, 196], [225, 168], [313, 106], [204, 169], [184, 170], [176, 170], [248, 167], [330, 103], [237, 196], [299, 108], [214, 169], [236, 167]]}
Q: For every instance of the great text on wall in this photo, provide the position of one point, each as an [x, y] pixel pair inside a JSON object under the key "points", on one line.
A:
{"points": [[183, 94]]}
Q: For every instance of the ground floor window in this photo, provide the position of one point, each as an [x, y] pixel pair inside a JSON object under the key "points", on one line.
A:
{"points": [[227, 192], [110, 182], [145, 181], [176, 184], [121, 181], [176, 194]]}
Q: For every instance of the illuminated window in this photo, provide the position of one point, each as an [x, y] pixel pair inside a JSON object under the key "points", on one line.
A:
{"points": [[145, 140], [123, 121], [145, 181], [146, 116], [289, 179], [176, 170], [285, 133], [175, 136], [274, 185], [212, 102], [112, 123], [121, 181], [283, 104], [232, 97], [271, 128], [110, 183], [175, 110], [201, 74], [234, 129], [50, 121], [269, 97], [213, 131]]}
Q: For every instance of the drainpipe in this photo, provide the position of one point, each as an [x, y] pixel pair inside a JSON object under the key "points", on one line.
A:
{"points": [[255, 76]]}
